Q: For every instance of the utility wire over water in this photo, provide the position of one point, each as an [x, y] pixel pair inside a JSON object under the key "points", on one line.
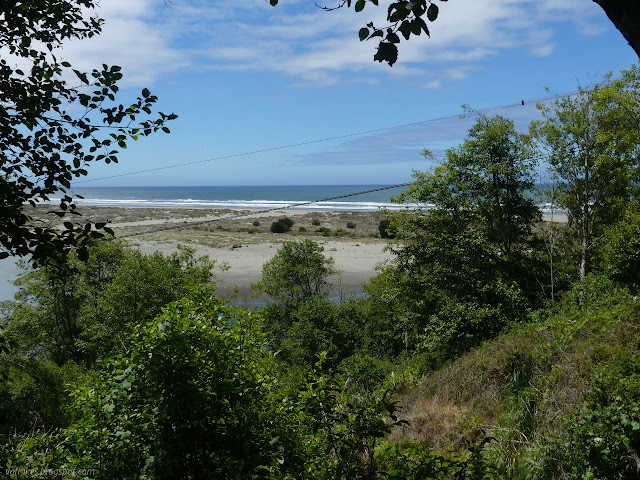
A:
{"points": [[545, 208], [261, 212], [470, 113]]}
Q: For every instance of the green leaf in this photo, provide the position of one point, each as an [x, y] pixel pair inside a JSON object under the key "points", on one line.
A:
{"points": [[83, 254], [393, 38], [387, 52], [145, 92], [273, 2], [423, 24], [432, 12], [419, 7], [416, 28], [405, 29], [363, 33], [359, 5]]}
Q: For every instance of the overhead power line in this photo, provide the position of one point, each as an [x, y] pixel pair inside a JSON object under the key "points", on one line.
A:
{"points": [[183, 225], [260, 212], [327, 139]]}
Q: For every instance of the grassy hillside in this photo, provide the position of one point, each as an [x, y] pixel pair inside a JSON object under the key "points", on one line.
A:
{"points": [[551, 393]]}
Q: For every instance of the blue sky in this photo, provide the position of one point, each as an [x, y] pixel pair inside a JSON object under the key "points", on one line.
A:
{"points": [[245, 76]]}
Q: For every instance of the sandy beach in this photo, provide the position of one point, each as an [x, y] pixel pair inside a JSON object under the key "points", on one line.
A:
{"points": [[234, 242], [241, 239], [356, 262]]}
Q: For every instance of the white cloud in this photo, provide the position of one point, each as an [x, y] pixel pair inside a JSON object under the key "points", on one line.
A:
{"points": [[310, 46], [129, 39], [315, 45]]}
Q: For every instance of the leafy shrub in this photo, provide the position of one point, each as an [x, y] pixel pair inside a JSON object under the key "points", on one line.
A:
{"points": [[282, 225], [364, 373], [351, 225], [298, 271], [190, 400], [607, 439], [315, 222], [302, 229], [621, 249], [324, 231], [605, 432], [319, 325], [415, 460], [256, 223], [341, 233], [385, 230]]}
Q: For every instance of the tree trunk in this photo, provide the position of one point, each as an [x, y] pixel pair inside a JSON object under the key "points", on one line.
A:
{"points": [[586, 237], [625, 15]]}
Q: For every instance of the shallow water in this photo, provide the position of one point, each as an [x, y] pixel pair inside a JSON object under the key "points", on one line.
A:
{"points": [[9, 271]]}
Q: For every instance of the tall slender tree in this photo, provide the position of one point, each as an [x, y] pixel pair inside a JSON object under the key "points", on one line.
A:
{"points": [[593, 142]]}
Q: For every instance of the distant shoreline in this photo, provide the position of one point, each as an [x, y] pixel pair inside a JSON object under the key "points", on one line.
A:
{"points": [[242, 239], [220, 229]]}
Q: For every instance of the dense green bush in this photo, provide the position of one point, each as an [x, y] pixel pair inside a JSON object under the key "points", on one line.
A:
{"points": [[72, 314], [282, 225], [351, 225], [621, 248], [384, 227], [319, 325], [315, 222], [297, 272], [192, 399], [324, 231]]}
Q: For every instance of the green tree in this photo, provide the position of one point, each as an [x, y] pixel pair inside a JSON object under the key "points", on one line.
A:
{"points": [[141, 288], [485, 183], [80, 311], [50, 129], [194, 398], [593, 150], [320, 325], [451, 289], [463, 262], [620, 248], [297, 272]]}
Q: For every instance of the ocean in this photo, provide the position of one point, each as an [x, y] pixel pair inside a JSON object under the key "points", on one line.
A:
{"points": [[253, 197], [241, 197]]}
